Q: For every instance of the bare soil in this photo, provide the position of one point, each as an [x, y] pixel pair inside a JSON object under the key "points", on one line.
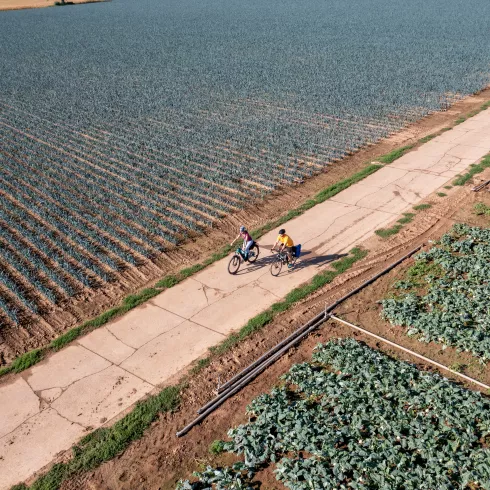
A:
{"points": [[160, 459], [41, 329], [34, 4]]}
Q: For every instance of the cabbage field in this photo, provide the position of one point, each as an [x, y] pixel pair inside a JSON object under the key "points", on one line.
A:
{"points": [[444, 297], [355, 418], [127, 126]]}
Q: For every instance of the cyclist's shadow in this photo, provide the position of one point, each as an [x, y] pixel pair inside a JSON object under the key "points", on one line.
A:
{"points": [[315, 260], [306, 259]]}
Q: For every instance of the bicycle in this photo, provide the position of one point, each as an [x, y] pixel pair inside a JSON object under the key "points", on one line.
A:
{"points": [[239, 257], [283, 259]]}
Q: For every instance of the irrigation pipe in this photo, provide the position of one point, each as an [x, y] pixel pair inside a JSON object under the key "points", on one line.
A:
{"points": [[479, 187], [411, 352], [220, 399], [235, 384], [315, 319]]}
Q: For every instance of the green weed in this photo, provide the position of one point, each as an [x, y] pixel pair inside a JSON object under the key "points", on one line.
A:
{"points": [[422, 207], [422, 269], [407, 218], [387, 232], [217, 447], [441, 194], [481, 208], [475, 169], [395, 154]]}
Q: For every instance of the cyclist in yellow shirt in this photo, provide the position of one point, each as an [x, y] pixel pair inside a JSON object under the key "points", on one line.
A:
{"points": [[286, 243]]}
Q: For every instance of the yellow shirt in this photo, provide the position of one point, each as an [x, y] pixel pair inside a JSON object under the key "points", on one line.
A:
{"points": [[286, 239]]}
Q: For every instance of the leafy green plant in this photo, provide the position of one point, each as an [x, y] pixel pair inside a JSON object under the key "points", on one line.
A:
{"points": [[441, 194], [217, 447]]}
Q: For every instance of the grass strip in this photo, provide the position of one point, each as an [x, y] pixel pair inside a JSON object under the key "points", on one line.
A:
{"points": [[427, 138], [475, 169], [106, 443], [395, 154]]}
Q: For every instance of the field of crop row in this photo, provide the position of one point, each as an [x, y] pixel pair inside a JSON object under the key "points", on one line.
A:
{"points": [[355, 418], [444, 296]]}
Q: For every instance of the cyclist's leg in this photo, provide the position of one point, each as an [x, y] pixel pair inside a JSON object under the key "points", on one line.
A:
{"points": [[289, 254], [248, 246]]}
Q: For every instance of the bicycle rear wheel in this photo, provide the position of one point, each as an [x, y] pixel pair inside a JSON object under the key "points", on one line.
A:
{"points": [[276, 266], [253, 254], [234, 264]]}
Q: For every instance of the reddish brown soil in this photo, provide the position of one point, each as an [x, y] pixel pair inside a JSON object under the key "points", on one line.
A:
{"points": [[34, 4], [159, 459], [40, 330]]}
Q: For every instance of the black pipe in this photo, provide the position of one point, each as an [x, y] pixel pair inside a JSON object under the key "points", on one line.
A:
{"points": [[224, 386], [220, 399]]}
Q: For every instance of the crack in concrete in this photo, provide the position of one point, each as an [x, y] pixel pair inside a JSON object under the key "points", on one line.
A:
{"points": [[22, 423], [204, 287], [204, 326], [354, 208], [122, 342], [257, 285], [84, 427], [64, 388], [117, 338]]}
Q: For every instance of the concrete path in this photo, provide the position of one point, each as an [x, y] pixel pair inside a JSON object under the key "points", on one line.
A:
{"points": [[49, 407]]}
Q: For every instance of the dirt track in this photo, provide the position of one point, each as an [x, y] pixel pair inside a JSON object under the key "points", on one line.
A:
{"points": [[159, 459]]}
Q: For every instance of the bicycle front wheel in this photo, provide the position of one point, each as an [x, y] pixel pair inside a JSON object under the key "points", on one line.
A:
{"points": [[276, 266], [234, 264]]}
